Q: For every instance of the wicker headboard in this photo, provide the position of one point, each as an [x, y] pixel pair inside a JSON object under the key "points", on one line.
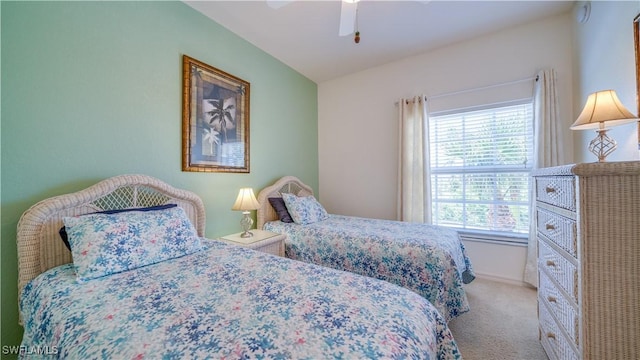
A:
{"points": [[39, 245], [287, 184]]}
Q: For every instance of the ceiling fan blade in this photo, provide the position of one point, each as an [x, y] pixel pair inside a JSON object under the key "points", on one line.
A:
{"points": [[347, 17], [277, 4]]}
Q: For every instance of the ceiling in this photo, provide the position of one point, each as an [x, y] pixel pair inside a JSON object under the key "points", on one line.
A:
{"points": [[304, 34]]}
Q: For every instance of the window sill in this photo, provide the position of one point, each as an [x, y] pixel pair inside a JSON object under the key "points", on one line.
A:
{"points": [[521, 241]]}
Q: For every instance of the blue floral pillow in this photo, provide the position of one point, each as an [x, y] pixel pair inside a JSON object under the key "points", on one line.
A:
{"points": [[63, 230], [304, 209], [103, 244]]}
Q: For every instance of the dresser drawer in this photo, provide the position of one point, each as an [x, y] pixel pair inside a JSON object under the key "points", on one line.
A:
{"points": [[559, 306], [553, 337], [557, 190], [560, 230], [559, 268], [549, 346]]}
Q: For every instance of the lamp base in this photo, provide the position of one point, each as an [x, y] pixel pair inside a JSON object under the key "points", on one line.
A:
{"points": [[246, 234], [246, 222], [602, 145]]}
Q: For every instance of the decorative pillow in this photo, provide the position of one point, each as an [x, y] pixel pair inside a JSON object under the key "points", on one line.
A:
{"points": [[281, 209], [304, 210], [63, 230], [103, 244]]}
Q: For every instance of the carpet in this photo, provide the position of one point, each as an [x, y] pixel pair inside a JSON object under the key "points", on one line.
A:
{"points": [[502, 323]]}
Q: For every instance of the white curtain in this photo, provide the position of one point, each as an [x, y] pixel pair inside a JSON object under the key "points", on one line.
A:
{"points": [[549, 138], [414, 175]]}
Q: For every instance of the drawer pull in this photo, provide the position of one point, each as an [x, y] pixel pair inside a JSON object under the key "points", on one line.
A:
{"points": [[549, 190], [550, 227], [551, 263], [552, 299], [551, 336]]}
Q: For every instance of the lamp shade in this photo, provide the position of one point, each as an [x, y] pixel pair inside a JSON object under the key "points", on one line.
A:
{"points": [[246, 200], [603, 108]]}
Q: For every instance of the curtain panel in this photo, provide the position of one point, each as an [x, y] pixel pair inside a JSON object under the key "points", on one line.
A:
{"points": [[414, 175], [549, 136]]}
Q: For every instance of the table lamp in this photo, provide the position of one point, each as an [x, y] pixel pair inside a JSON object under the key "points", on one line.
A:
{"points": [[245, 202], [603, 109]]}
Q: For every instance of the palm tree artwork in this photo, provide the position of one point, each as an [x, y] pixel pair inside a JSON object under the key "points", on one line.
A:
{"points": [[211, 137], [222, 115], [215, 119]]}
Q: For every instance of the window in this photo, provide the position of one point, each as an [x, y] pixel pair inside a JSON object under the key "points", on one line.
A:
{"points": [[481, 161]]}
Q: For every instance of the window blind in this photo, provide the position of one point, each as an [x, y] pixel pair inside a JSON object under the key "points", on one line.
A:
{"points": [[480, 165]]}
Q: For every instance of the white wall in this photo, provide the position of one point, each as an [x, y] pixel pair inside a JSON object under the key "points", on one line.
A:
{"points": [[605, 59], [357, 130]]}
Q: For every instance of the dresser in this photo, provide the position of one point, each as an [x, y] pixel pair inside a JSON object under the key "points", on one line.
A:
{"points": [[588, 229]]}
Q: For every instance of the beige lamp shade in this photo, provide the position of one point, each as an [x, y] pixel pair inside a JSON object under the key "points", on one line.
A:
{"points": [[603, 108], [246, 200]]}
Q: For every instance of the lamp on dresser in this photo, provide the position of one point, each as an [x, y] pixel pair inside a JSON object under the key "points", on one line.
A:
{"points": [[603, 109], [245, 202]]}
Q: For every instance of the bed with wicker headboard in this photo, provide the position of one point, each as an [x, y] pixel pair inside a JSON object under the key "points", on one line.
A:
{"points": [[215, 301], [430, 260], [286, 184], [39, 244]]}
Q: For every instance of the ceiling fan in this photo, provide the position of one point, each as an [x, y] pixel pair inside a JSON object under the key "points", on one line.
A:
{"points": [[348, 15]]}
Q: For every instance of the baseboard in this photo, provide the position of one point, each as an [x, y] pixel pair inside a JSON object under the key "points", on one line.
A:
{"points": [[502, 279]]}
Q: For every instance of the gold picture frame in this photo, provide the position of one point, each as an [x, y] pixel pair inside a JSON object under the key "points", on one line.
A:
{"points": [[215, 119], [636, 42]]}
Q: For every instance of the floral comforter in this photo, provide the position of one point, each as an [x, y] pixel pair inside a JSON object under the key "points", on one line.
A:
{"points": [[228, 302], [428, 259]]}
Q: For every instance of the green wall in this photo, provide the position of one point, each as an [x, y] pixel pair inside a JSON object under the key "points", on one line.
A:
{"points": [[93, 89]]}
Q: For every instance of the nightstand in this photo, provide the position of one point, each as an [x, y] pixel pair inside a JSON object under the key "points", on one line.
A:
{"points": [[262, 240]]}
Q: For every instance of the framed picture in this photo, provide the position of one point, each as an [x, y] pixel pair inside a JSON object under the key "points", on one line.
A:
{"points": [[215, 119], [636, 41]]}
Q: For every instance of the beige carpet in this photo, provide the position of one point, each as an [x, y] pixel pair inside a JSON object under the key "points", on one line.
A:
{"points": [[502, 323]]}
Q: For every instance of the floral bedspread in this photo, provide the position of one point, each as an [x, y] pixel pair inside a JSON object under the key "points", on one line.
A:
{"points": [[228, 302], [427, 259]]}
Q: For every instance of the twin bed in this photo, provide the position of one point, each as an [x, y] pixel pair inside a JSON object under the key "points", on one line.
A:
{"points": [[147, 284], [429, 260]]}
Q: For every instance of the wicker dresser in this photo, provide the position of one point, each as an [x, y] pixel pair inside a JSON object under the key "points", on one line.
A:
{"points": [[588, 225]]}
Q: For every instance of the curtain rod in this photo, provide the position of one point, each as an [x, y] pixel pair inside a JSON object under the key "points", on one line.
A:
{"points": [[420, 99], [480, 88]]}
